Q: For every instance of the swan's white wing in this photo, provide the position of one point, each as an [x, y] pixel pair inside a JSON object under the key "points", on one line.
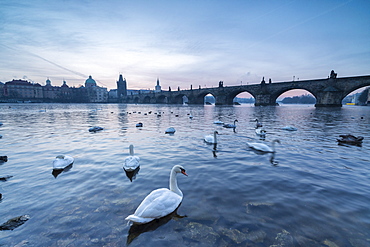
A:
{"points": [[131, 162], [260, 146], [158, 203], [61, 163], [209, 139]]}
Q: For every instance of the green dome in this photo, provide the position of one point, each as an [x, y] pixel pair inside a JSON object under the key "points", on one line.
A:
{"points": [[90, 82]]}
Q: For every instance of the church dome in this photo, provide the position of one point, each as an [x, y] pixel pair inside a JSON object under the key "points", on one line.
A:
{"points": [[48, 82], [90, 82]]}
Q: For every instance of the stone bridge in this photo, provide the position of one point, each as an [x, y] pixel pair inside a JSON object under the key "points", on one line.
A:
{"points": [[328, 92]]}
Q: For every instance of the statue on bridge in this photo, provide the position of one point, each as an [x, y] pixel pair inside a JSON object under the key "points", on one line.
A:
{"points": [[333, 75], [221, 84], [263, 81]]}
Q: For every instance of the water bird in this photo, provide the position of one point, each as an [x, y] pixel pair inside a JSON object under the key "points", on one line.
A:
{"points": [[218, 122], [159, 202], [350, 139], [260, 132], [139, 125], [62, 161], [95, 129], [231, 125], [289, 128], [263, 147], [212, 139], [170, 130], [132, 161], [258, 124]]}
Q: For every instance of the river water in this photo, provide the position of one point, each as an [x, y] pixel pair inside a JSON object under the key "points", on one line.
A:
{"points": [[312, 192]]}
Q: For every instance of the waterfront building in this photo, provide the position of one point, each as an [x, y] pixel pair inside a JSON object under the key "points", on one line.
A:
{"points": [[121, 87], [157, 87], [1, 89], [95, 93], [23, 90], [50, 93]]}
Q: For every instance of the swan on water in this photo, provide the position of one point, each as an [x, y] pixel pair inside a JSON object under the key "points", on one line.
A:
{"points": [[289, 128], [95, 129], [132, 161], [231, 125], [218, 122], [159, 202], [62, 161], [258, 124], [260, 132], [263, 147], [211, 138], [170, 130]]}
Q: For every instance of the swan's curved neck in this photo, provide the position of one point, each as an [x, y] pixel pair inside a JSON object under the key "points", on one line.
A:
{"points": [[131, 150], [173, 183]]}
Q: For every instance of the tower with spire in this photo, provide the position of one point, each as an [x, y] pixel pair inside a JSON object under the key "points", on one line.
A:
{"points": [[121, 87], [158, 87]]}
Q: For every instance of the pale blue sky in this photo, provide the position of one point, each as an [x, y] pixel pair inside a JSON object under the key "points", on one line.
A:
{"points": [[182, 42]]}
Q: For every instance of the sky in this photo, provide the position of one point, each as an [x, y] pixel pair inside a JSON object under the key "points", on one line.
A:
{"points": [[183, 43]]}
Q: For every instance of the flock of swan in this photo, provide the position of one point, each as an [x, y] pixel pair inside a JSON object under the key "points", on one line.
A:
{"points": [[261, 147], [163, 201]]}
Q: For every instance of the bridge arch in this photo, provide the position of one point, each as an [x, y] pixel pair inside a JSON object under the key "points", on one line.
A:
{"points": [[233, 94], [347, 92], [147, 100], [178, 99], [199, 98], [161, 99], [277, 94], [303, 92]]}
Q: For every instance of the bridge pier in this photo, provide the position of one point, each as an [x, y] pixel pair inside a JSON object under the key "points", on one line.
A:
{"points": [[329, 99], [264, 100]]}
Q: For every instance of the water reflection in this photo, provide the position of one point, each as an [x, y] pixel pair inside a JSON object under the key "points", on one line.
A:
{"points": [[272, 155], [137, 229], [56, 172], [132, 174]]}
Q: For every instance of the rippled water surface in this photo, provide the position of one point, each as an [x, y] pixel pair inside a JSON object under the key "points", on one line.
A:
{"points": [[313, 192]]}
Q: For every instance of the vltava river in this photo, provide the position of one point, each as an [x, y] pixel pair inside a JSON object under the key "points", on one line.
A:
{"points": [[313, 192]]}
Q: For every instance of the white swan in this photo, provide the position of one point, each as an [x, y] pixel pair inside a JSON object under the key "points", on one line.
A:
{"points": [[260, 132], [211, 138], [231, 125], [62, 161], [159, 202], [132, 161], [218, 122], [170, 130], [258, 124], [263, 147], [289, 128]]}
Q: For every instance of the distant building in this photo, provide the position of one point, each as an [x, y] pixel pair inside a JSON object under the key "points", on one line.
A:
{"points": [[22, 89], [1, 89], [50, 93], [157, 87], [121, 87], [95, 93]]}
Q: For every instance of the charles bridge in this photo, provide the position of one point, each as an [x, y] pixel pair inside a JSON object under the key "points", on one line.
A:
{"points": [[328, 92]]}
